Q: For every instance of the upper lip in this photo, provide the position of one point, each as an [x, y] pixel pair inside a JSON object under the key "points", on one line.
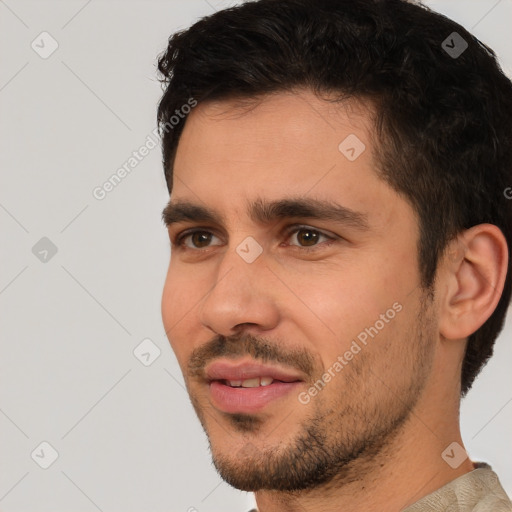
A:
{"points": [[225, 370]]}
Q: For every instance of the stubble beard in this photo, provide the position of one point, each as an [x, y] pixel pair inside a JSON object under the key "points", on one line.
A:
{"points": [[335, 444]]}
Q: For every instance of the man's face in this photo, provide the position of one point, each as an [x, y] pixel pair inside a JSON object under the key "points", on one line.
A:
{"points": [[326, 303]]}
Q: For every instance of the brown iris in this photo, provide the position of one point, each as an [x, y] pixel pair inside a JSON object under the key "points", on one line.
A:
{"points": [[201, 238], [307, 237]]}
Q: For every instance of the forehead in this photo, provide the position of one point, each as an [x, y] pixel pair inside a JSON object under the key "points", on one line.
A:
{"points": [[276, 126], [282, 145], [272, 134]]}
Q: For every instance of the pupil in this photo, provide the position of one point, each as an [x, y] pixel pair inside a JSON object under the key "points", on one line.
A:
{"points": [[308, 237], [201, 239]]}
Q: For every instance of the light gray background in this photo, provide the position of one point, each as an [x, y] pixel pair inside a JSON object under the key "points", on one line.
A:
{"points": [[126, 435]]}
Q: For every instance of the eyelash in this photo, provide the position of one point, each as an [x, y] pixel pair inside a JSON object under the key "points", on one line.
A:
{"points": [[180, 238]]}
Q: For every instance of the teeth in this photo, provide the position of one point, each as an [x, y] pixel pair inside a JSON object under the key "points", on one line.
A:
{"points": [[250, 383], [265, 381]]}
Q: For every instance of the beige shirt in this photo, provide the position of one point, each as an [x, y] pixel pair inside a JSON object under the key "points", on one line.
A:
{"points": [[476, 491]]}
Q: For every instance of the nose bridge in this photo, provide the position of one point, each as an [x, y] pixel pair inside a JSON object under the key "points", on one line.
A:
{"points": [[242, 264], [240, 293], [238, 274]]}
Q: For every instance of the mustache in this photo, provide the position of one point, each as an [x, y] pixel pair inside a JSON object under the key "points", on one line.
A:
{"points": [[238, 345]]}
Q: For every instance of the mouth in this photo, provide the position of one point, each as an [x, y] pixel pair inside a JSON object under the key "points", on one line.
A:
{"points": [[255, 382], [248, 387]]}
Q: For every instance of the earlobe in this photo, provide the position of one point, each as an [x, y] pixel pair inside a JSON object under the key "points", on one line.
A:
{"points": [[475, 272]]}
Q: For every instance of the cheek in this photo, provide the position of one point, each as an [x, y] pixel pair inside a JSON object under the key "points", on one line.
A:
{"points": [[169, 302], [360, 301], [179, 303]]}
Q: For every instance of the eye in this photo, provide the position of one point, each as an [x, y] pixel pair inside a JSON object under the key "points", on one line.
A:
{"points": [[196, 239], [304, 237], [307, 237]]}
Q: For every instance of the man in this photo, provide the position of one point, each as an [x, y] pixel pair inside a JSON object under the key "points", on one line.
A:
{"points": [[338, 174]]}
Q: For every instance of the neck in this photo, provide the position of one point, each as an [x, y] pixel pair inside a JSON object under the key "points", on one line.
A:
{"points": [[408, 468]]}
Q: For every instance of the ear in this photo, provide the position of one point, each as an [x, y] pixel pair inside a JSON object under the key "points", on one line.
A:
{"points": [[472, 280]]}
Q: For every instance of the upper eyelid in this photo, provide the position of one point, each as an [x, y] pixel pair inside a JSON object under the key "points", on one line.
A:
{"points": [[190, 231], [295, 227]]}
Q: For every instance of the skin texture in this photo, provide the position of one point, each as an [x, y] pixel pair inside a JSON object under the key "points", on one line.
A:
{"points": [[372, 438]]}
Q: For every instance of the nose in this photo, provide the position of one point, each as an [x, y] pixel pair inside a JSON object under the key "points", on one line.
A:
{"points": [[241, 296]]}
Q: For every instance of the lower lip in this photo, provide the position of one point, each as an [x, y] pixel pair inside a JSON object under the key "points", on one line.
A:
{"points": [[248, 400]]}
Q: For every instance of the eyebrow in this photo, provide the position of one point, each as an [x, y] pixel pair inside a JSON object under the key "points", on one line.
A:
{"points": [[267, 212]]}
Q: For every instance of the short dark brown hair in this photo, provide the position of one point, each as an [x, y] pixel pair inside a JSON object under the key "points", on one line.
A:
{"points": [[443, 106]]}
